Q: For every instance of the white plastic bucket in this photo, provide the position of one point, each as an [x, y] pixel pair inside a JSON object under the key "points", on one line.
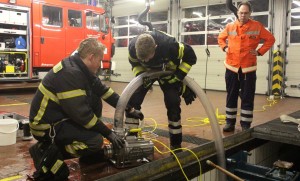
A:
{"points": [[8, 131]]}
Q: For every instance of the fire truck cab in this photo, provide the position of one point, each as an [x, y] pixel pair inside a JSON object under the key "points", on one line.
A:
{"points": [[35, 35]]}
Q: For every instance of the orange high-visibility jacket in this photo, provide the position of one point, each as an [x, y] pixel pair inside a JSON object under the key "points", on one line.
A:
{"points": [[242, 39]]}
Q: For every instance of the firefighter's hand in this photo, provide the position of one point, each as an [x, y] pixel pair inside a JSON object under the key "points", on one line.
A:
{"points": [[254, 52], [170, 79], [147, 82], [188, 95], [116, 140], [136, 114], [225, 49]]}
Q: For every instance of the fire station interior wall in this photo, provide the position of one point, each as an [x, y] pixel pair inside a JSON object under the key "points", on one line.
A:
{"points": [[191, 3], [292, 71], [215, 79], [123, 66], [126, 7], [292, 61]]}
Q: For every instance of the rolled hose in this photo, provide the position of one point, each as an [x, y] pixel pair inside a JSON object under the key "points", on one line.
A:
{"points": [[138, 81]]}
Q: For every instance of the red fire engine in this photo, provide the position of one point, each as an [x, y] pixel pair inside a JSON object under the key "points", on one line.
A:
{"points": [[35, 35]]}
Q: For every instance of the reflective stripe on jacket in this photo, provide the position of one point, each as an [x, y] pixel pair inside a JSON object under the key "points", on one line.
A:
{"points": [[242, 39]]}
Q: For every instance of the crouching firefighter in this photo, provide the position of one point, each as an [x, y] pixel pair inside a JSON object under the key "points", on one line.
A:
{"points": [[65, 114], [156, 50]]}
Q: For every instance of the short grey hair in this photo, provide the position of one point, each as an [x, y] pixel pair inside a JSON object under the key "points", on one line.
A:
{"points": [[145, 46], [90, 46], [246, 3]]}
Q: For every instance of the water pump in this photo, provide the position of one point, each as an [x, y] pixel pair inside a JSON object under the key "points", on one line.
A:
{"points": [[136, 151]]}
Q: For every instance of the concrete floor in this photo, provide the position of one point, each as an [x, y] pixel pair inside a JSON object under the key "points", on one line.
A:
{"points": [[15, 159]]}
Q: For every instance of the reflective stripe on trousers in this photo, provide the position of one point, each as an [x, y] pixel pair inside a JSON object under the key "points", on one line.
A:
{"points": [[243, 85]]}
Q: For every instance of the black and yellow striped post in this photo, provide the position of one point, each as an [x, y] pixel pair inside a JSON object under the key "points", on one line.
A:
{"points": [[277, 78]]}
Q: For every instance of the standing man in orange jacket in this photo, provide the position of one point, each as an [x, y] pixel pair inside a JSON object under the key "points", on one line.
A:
{"points": [[243, 37]]}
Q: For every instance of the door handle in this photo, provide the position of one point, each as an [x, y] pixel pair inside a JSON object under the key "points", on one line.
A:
{"points": [[42, 40]]}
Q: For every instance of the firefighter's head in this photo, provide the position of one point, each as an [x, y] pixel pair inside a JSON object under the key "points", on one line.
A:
{"points": [[145, 47], [91, 51], [244, 11]]}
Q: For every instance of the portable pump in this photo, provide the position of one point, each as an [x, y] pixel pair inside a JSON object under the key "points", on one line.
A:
{"points": [[136, 151]]}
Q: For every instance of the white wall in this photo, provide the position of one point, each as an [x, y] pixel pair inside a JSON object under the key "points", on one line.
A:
{"points": [[123, 66], [292, 65], [191, 3], [293, 71]]}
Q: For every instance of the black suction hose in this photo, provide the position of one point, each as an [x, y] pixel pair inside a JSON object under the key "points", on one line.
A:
{"points": [[232, 7], [143, 14]]}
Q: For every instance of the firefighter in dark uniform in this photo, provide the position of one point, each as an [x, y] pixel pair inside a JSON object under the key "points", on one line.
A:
{"points": [[157, 50], [69, 98]]}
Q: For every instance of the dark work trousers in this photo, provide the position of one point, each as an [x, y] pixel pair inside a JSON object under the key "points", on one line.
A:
{"points": [[74, 140], [243, 85], [172, 102]]}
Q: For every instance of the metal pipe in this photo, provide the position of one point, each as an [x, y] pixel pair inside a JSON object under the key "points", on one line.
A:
{"points": [[143, 14], [224, 171], [138, 81], [232, 8]]}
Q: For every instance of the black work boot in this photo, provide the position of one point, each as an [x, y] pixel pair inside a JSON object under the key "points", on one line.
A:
{"points": [[245, 128], [228, 128], [245, 125], [37, 151], [96, 157]]}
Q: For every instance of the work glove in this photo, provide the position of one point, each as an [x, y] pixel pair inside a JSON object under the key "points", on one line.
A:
{"points": [[116, 140], [187, 94], [135, 114], [147, 82], [170, 79], [133, 118]]}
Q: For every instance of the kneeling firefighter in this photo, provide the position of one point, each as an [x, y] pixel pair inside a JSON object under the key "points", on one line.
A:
{"points": [[65, 114]]}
